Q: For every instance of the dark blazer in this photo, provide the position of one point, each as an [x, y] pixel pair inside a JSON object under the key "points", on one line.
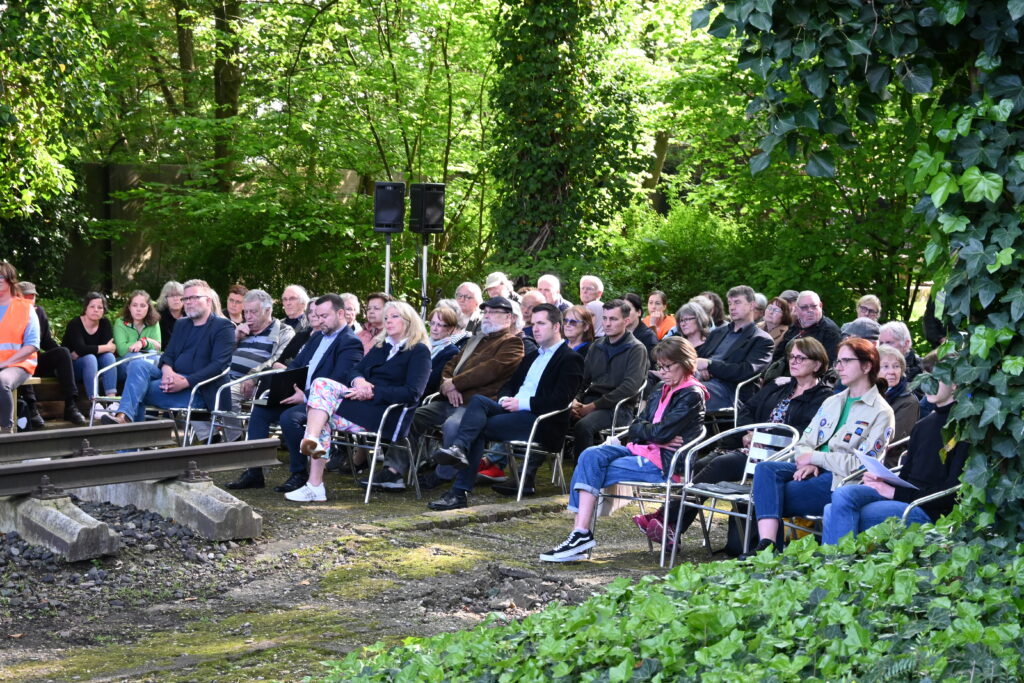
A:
{"points": [[339, 360], [801, 409], [749, 355], [437, 364], [399, 380], [825, 331], [683, 417], [557, 387], [199, 354]]}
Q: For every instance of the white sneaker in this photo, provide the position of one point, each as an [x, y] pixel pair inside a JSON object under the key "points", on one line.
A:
{"points": [[308, 494]]}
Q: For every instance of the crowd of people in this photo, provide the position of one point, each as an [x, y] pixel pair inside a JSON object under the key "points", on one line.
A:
{"points": [[482, 366]]}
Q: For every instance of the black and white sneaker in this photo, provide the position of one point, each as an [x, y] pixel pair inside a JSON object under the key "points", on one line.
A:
{"points": [[387, 480], [572, 548]]}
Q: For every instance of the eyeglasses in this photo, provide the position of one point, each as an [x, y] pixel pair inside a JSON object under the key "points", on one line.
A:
{"points": [[496, 311], [809, 307], [773, 309], [393, 316], [797, 358], [840, 362], [464, 297], [867, 312], [289, 299], [187, 299], [438, 323], [662, 367], [688, 319], [569, 322]]}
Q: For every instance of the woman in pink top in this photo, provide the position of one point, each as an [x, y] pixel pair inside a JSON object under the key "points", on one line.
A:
{"points": [[673, 416]]}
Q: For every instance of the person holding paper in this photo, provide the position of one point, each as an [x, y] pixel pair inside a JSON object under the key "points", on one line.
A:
{"points": [[853, 422], [933, 464]]}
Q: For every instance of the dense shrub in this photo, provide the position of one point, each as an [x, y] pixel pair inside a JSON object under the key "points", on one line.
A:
{"points": [[890, 606]]}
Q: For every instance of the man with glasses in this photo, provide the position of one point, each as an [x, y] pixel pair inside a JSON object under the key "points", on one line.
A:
{"points": [[332, 351], [733, 353], [200, 348], [294, 300], [469, 297], [545, 381], [810, 321], [481, 368]]}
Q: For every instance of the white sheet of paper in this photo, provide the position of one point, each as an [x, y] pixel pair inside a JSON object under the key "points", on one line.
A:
{"points": [[876, 468]]}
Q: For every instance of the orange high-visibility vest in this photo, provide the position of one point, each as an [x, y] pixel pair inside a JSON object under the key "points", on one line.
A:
{"points": [[12, 332]]}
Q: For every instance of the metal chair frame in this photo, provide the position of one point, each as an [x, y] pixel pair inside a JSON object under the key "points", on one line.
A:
{"points": [[149, 357], [217, 416], [399, 439]]}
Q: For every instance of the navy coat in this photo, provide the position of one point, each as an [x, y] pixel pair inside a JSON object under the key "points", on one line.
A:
{"points": [[399, 380], [341, 356], [558, 385], [199, 353]]}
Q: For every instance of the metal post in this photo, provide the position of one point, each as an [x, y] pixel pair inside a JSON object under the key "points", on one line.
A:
{"points": [[387, 264], [425, 301]]}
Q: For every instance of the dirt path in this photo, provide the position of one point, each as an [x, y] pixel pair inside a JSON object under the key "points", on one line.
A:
{"points": [[323, 580]]}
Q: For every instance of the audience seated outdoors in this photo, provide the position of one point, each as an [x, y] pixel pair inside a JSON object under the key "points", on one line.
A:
{"points": [[482, 367], [171, 309], [615, 368], [200, 349], [591, 291], [856, 422], [90, 338], [19, 343], [395, 370], [579, 329], [545, 381], [717, 311], [53, 360], [351, 309], [693, 323], [733, 353], [933, 464], [137, 331], [498, 284], [777, 320], [673, 416], [791, 400], [658, 318]]}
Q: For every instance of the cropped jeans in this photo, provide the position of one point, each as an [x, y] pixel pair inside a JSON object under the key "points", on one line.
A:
{"points": [[89, 365], [856, 508]]}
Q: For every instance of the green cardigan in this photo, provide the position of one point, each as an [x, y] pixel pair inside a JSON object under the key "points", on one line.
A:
{"points": [[125, 335]]}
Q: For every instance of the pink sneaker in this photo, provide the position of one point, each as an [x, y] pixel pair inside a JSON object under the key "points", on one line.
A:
{"points": [[654, 531]]}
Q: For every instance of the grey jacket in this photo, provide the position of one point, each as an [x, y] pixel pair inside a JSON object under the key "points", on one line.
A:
{"points": [[612, 372]]}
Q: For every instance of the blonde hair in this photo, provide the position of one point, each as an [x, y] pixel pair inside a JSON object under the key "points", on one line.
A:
{"points": [[415, 332]]}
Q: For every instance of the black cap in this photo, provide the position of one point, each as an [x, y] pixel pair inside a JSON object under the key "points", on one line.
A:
{"points": [[498, 302]]}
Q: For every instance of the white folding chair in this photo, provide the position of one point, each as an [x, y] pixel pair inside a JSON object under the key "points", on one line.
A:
{"points": [[769, 441], [646, 492], [97, 399], [397, 439], [533, 447], [220, 417]]}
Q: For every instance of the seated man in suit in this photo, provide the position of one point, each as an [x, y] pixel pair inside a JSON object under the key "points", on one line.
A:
{"points": [[200, 348], [735, 352], [332, 351], [546, 380]]}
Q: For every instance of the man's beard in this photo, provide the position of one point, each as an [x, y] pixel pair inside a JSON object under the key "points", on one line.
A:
{"points": [[487, 327]]}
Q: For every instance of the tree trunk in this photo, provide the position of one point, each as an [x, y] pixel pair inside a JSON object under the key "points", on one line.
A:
{"points": [[184, 22], [227, 82]]}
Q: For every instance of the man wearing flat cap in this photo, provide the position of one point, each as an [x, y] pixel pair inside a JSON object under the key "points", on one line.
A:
{"points": [[498, 284], [482, 367]]}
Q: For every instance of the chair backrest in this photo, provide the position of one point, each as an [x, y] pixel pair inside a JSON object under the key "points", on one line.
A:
{"points": [[625, 404], [766, 444]]}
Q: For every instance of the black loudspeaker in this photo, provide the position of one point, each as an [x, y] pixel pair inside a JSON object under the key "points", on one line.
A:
{"points": [[389, 207], [426, 208]]}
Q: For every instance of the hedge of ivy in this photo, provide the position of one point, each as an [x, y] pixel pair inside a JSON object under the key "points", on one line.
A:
{"points": [[888, 606]]}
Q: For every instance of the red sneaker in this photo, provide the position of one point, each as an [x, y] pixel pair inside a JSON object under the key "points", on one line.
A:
{"points": [[654, 531], [491, 473]]}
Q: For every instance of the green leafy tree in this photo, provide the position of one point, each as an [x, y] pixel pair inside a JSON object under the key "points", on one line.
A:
{"points": [[959, 64]]}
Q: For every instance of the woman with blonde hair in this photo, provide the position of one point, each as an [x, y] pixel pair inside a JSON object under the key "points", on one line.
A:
{"points": [[395, 370]]}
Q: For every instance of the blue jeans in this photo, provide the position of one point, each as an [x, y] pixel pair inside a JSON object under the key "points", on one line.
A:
{"points": [[293, 426], [856, 508], [601, 466], [485, 420], [778, 495], [430, 415], [142, 388], [122, 369], [87, 367]]}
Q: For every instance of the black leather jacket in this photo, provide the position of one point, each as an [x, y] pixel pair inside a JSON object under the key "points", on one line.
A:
{"points": [[683, 417]]}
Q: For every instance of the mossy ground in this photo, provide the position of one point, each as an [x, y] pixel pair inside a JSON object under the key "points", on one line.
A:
{"points": [[354, 576]]}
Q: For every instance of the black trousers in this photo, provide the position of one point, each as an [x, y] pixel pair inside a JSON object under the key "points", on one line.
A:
{"points": [[710, 469], [57, 362]]}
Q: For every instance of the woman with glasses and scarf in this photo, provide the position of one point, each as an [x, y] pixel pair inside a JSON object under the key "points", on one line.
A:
{"points": [[579, 329]]}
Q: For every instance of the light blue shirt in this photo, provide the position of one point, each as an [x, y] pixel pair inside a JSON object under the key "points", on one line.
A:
{"points": [[31, 334], [529, 388], [325, 343]]}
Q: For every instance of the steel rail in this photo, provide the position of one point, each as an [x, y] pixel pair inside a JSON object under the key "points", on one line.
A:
{"points": [[166, 463], [59, 443]]}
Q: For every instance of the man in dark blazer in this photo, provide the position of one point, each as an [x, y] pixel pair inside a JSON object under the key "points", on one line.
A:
{"points": [[735, 352], [546, 380], [332, 351]]}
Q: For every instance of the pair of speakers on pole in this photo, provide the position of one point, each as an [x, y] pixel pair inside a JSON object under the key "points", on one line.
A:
{"points": [[426, 208]]}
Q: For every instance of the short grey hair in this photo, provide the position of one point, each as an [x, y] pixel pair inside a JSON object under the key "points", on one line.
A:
{"points": [[809, 293], [474, 288], [892, 352], [348, 296], [265, 300], [454, 306], [171, 288], [899, 330], [202, 284], [303, 294], [760, 300], [593, 278]]}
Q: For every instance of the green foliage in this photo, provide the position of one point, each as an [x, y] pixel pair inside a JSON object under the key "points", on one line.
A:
{"points": [[49, 93], [38, 243], [568, 139], [958, 66], [888, 606]]}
